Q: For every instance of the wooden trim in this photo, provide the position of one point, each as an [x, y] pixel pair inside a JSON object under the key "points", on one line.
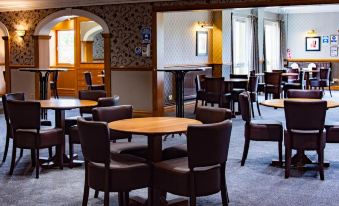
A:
{"points": [[36, 65], [131, 69], [47, 37], [245, 4], [171, 108], [7, 68], [18, 66], [313, 60], [107, 62]]}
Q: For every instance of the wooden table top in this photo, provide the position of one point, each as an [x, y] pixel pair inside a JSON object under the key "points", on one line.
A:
{"points": [[153, 125], [54, 69], [279, 103], [179, 69], [66, 104], [235, 80]]}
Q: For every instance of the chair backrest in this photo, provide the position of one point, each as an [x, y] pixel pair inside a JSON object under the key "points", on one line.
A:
{"points": [[93, 95], [88, 78], [208, 115], [215, 87], [273, 78], [252, 73], [200, 82], [278, 70], [245, 107], [55, 77], [241, 85], [215, 152], [95, 140], [325, 74], [305, 115], [108, 101], [238, 76], [24, 114], [299, 93], [291, 70], [110, 114], [253, 84], [10, 96]]}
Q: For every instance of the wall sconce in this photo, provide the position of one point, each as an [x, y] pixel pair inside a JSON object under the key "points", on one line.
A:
{"points": [[312, 32], [205, 25], [20, 33]]}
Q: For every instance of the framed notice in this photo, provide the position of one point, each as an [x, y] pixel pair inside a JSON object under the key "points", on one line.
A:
{"points": [[334, 39], [313, 43], [202, 43], [334, 51]]}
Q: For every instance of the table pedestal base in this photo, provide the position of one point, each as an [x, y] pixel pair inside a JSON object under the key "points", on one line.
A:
{"points": [[54, 162], [139, 201]]}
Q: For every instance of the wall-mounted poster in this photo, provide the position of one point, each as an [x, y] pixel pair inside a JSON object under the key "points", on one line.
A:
{"points": [[334, 51], [334, 39], [202, 43], [326, 39], [313, 43], [146, 35]]}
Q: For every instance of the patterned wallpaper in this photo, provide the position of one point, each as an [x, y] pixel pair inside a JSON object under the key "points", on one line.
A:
{"points": [[98, 47]]}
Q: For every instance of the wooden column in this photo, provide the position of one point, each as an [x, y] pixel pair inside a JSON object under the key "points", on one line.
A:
{"points": [[107, 62], [87, 51], [7, 69]]}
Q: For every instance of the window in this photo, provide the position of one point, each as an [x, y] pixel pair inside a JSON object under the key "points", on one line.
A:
{"points": [[272, 45], [65, 47], [241, 45]]}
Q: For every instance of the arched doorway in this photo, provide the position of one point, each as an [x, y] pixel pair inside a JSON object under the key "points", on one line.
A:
{"points": [[3, 42], [45, 41]]}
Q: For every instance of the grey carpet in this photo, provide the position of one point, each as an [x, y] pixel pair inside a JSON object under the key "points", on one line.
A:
{"points": [[257, 183]]}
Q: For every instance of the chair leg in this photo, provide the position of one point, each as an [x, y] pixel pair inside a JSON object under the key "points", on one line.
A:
{"points": [[321, 163], [50, 152], [96, 194], [223, 185], [106, 198], [21, 152], [252, 108], [288, 154], [59, 152], [280, 153], [37, 164], [70, 145], [126, 198], [6, 149], [86, 189], [193, 201], [130, 139], [121, 198], [13, 159], [33, 157], [244, 155], [258, 108], [195, 106], [329, 88]]}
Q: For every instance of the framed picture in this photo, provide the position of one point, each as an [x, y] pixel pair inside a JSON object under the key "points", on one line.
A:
{"points": [[334, 51], [313, 43], [202, 43]]}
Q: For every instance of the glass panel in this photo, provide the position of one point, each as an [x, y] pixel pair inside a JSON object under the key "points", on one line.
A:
{"points": [[66, 47]]}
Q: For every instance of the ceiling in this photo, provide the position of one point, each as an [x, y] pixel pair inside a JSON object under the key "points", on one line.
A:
{"points": [[304, 9], [14, 5]]}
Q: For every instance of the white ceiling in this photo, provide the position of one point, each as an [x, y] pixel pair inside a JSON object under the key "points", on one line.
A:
{"points": [[304, 9], [13, 5]]}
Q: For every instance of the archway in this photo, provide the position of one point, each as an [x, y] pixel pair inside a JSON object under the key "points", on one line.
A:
{"points": [[42, 39], [3, 55]]}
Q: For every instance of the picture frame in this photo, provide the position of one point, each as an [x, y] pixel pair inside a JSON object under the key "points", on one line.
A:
{"points": [[333, 51], [313, 43], [201, 43]]}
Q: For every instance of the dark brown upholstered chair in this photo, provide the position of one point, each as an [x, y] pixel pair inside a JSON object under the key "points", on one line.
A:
{"points": [[253, 92], [54, 85], [304, 130], [90, 85], [19, 97], [84, 95], [206, 115], [292, 79], [216, 92], [272, 84], [74, 131], [237, 88], [323, 80], [200, 90], [202, 173], [120, 174], [295, 83], [28, 134], [309, 94], [259, 130]]}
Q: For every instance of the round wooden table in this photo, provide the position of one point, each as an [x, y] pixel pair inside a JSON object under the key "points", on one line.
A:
{"points": [[153, 128], [279, 103], [60, 106]]}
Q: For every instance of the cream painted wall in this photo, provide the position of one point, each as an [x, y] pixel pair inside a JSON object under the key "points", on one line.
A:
{"points": [[299, 24], [180, 37], [23, 82], [134, 88]]}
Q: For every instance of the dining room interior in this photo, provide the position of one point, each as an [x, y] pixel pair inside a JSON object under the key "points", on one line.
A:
{"points": [[153, 102]]}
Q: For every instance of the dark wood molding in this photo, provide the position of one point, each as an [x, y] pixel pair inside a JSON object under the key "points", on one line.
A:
{"points": [[36, 65], [7, 68], [132, 68], [47, 37], [107, 63]]}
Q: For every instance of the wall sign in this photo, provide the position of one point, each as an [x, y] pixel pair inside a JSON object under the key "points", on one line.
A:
{"points": [[334, 39], [146, 35], [334, 51], [326, 39]]}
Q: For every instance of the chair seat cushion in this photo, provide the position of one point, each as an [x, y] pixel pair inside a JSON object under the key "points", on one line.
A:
{"points": [[26, 138], [176, 151], [332, 132], [136, 149], [266, 130], [305, 140], [127, 173], [174, 176]]}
